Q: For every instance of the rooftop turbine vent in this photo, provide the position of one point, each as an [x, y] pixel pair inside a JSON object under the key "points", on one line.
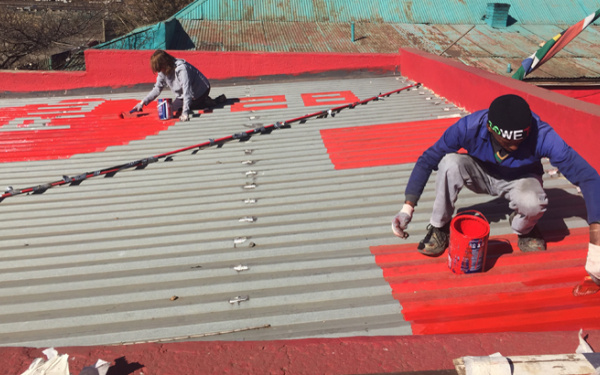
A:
{"points": [[497, 15]]}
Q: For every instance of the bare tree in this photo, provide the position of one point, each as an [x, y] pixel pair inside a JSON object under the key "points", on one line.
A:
{"points": [[131, 14], [29, 38]]}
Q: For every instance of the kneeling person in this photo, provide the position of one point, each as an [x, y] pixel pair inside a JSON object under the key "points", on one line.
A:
{"points": [[505, 145]]}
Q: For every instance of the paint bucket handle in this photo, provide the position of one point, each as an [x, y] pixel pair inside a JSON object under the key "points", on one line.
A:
{"points": [[474, 213]]}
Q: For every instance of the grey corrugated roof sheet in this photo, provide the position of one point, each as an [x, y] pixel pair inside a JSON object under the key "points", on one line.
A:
{"points": [[99, 263]]}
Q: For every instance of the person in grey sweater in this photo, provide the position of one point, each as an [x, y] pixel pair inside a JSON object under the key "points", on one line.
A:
{"points": [[186, 81]]}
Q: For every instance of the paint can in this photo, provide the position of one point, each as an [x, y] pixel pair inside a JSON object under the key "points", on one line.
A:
{"points": [[164, 109], [469, 233]]}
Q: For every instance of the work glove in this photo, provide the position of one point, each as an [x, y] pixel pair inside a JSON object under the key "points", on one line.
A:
{"points": [[184, 117], [401, 220], [591, 283], [138, 107], [592, 264]]}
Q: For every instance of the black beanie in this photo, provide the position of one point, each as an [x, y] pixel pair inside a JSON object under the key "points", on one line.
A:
{"points": [[510, 117]]}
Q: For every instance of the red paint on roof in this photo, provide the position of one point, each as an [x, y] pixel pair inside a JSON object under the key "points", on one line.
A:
{"points": [[586, 94], [259, 103], [377, 145], [329, 98], [43, 131], [522, 292]]}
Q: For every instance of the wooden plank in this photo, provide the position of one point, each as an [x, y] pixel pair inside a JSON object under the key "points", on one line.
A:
{"points": [[559, 364]]}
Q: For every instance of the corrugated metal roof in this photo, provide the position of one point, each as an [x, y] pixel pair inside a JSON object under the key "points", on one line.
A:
{"points": [[101, 262], [480, 46], [455, 29], [399, 11]]}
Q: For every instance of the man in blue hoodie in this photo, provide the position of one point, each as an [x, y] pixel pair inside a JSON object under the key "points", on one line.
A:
{"points": [[505, 145]]}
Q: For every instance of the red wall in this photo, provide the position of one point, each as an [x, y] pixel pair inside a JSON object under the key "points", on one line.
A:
{"points": [[119, 68], [589, 94], [577, 122]]}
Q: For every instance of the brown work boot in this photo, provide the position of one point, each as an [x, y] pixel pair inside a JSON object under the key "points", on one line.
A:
{"points": [[436, 241], [532, 241], [209, 102]]}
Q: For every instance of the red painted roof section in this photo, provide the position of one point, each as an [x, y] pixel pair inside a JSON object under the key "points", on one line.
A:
{"points": [[377, 145], [42, 131], [520, 292]]}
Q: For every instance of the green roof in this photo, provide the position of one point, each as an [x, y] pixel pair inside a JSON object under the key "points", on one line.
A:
{"points": [[555, 12]]}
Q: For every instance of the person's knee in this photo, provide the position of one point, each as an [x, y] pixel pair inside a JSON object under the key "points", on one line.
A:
{"points": [[451, 162], [531, 203]]}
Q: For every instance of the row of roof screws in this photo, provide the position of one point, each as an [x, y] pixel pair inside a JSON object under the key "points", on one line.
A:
{"points": [[247, 219], [250, 174], [248, 186], [250, 219], [437, 102]]}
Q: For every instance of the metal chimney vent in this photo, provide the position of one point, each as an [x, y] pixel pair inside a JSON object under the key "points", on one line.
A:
{"points": [[497, 15]]}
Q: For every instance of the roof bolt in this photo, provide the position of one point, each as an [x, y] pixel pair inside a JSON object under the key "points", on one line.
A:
{"points": [[241, 268], [239, 241], [247, 219], [239, 299]]}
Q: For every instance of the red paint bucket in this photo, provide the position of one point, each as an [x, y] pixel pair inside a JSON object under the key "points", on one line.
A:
{"points": [[469, 233]]}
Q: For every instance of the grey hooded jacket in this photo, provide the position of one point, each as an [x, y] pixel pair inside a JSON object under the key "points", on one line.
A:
{"points": [[187, 82]]}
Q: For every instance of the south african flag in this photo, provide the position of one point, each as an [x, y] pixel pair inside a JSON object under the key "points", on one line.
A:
{"points": [[551, 47]]}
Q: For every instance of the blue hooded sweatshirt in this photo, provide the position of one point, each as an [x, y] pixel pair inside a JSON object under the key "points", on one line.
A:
{"points": [[471, 134]]}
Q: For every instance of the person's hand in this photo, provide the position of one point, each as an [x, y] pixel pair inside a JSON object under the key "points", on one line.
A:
{"points": [[184, 117], [592, 264], [591, 283], [401, 221], [138, 107]]}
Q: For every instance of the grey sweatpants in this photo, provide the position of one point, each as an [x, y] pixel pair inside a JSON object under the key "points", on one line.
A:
{"points": [[526, 195]]}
